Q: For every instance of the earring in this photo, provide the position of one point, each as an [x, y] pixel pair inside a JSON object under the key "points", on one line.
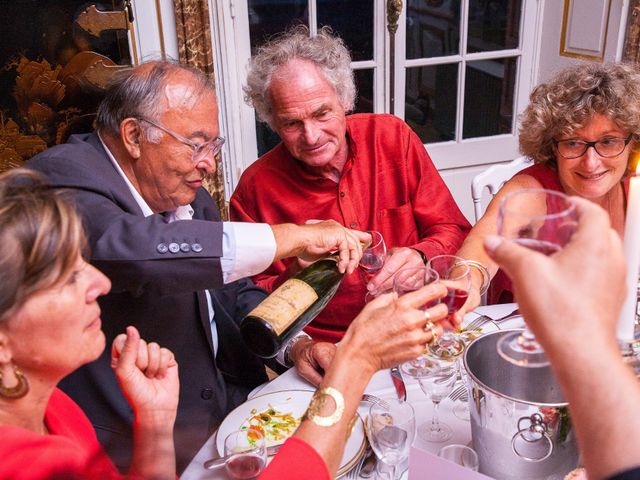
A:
{"points": [[19, 391]]}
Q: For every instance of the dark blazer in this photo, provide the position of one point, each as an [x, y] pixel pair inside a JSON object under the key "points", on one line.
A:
{"points": [[161, 292]]}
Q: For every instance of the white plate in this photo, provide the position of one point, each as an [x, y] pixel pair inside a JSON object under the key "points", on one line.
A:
{"points": [[296, 403]]}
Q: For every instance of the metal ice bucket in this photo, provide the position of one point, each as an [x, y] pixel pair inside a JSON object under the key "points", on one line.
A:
{"points": [[520, 423]]}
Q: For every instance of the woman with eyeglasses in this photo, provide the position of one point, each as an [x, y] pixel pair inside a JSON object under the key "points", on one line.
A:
{"points": [[579, 128]]}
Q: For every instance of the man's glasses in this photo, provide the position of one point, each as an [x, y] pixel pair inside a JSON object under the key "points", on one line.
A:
{"points": [[200, 150], [607, 147]]}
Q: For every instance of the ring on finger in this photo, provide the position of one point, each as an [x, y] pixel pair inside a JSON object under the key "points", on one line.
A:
{"points": [[431, 328]]}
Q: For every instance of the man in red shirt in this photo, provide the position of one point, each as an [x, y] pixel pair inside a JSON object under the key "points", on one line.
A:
{"points": [[365, 171]]}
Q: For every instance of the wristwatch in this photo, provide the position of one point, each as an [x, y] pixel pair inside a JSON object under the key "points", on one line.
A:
{"points": [[283, 355]]}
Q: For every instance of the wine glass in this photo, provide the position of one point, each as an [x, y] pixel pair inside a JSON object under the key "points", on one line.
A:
{"points": [[373, 257], [391, 432], [454, 274], [408, 280], [462, 455], [543, 220], [246, 454], [436, 379]]}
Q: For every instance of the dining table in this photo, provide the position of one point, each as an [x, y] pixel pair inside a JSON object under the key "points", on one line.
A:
{"points": [[381, 386]]}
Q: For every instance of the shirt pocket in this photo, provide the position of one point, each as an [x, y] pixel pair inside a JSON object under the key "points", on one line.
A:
{"points": [[397, 225]]}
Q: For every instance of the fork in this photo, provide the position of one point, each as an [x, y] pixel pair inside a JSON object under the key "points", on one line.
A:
{"points": [[460, 393], [375, 400], [482, 319]]}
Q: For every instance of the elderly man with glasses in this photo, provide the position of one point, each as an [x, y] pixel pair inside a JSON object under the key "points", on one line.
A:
{"points": [[177, 271]]}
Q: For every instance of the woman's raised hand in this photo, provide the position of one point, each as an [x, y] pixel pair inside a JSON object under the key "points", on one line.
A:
{"points": [[147, 373]]}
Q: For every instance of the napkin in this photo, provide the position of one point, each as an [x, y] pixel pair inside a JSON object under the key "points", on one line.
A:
{"points": [[427, 465]]}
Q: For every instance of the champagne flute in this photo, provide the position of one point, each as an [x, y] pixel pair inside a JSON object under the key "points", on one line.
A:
{"points": [[373, 257], [246, 454], [436, 379], [391, 432], [543, 220]]}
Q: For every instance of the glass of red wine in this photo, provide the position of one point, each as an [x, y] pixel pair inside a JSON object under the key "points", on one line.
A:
{"points": [[373, 257], [542, 220], [454, 274], [246, 453]]}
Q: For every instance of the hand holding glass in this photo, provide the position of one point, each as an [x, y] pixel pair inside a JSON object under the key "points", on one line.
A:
{"points": [[543, 220]]}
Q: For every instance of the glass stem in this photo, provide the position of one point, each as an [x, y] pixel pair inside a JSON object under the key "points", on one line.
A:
{"points": [[394, 470], [435, 421]]}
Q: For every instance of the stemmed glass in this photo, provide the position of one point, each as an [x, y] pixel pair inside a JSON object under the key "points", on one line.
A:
{"points": [[246, 454], [456, 276], [543, 220], [373, 257], [391, 432], [408, 280], [436, 379]]}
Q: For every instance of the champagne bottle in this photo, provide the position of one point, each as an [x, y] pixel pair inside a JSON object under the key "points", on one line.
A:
{"points": [[290, 307]]}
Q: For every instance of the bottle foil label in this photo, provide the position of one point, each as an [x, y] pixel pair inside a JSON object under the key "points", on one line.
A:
{"points": [[286, 304]]}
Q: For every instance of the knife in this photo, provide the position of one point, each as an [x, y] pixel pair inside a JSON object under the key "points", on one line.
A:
{"points": [[398, 383]]}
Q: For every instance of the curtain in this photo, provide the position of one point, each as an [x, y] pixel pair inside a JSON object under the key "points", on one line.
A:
{"points": [[195, 49], [631, 52]]}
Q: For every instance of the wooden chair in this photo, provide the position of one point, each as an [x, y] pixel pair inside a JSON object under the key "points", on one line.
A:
{"points": [[493, 178]]}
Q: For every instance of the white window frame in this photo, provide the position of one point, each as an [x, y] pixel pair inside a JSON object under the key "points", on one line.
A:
{"points": [[481, 150], [230, 25]]}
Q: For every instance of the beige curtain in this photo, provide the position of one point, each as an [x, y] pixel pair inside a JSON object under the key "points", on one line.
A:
{"points": [[195, 49], [631, 52]]}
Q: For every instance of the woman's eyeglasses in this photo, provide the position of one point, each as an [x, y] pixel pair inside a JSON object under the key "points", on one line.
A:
{"points": [[607, 147]]}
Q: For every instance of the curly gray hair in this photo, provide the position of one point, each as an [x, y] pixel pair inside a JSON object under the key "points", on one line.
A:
{"points": [[325, 50], [569, 100]]}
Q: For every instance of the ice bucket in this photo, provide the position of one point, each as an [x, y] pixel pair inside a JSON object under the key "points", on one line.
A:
{"points": [[520, 423]]}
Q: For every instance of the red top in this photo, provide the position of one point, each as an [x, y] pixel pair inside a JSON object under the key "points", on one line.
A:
{"points": [[500, 290], [70, 451], [296, 459], [388, 184]]}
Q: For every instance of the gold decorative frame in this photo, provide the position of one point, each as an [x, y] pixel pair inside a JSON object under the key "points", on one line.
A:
{"points": [[564, 51]]}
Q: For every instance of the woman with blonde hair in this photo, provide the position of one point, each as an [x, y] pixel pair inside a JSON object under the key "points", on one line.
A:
{"points": [[50, 326]]}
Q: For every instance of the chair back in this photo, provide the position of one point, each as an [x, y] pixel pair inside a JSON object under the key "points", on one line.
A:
{"points": [[493, 178]]}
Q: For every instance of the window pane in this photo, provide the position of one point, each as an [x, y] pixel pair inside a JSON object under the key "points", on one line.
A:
{"points": [[266, 138], [430, 102], [433, 28], [494, 25], [268, 17], [353, 21], [364, 86], [489, 90]]}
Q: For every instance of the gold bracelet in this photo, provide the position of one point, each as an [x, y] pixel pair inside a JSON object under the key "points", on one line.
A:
{"points": [[486, 278], [318, 401]]}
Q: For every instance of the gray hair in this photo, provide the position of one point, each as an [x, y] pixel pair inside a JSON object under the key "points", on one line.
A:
{"points": [[327, 51], [137, 94]]}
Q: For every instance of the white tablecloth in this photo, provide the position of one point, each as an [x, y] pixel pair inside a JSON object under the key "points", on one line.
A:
{"points": [[381, 386]]}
